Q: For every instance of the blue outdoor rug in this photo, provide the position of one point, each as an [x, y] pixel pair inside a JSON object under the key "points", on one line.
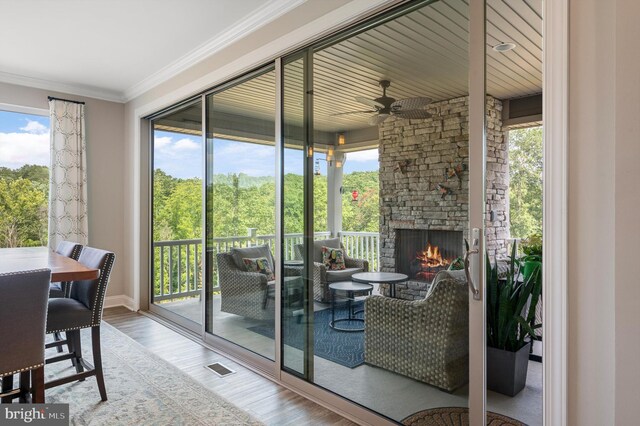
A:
{"points": [[344, 348]]}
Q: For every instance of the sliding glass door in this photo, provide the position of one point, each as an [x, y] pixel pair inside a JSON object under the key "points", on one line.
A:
{"points": [[176, 253]]}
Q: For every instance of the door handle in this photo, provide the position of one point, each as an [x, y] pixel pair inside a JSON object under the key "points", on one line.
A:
{"points": [[475, 250]]}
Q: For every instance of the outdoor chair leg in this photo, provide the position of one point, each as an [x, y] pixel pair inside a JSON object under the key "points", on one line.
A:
{"points": [[97, 361]]}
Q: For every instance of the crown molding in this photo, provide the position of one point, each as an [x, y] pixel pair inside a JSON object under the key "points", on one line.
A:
{"points": [[61, 87], [260, 17]]}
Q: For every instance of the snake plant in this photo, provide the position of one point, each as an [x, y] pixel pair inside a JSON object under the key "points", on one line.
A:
{"points": [[507, 300]]}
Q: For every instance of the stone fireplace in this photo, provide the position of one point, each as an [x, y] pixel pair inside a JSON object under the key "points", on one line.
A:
{"points": [[424, 184]]}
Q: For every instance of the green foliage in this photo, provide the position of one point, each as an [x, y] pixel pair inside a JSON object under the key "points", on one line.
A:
{"points": [[364, 214], [532, 245], [525, 188], [24, 196], [507, 299]]}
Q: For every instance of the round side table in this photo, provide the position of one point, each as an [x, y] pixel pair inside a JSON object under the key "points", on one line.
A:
{"points": [[352, 289]]}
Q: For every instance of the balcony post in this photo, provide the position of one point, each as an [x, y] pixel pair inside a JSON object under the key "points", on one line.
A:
{"points": [[334, 197]]}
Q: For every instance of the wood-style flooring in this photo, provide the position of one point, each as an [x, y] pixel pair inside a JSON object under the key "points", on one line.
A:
{"points": [[264, 399]]}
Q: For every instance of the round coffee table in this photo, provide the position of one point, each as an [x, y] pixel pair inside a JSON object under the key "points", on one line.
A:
{"points": [[391, 278], [351, 289]]}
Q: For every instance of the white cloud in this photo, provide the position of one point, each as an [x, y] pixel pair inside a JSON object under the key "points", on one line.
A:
{"points": [[161, 142], [18, 149], [362, 156], [186, 145], [35, 128]]}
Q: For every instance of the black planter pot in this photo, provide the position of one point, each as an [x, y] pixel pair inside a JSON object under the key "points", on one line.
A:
{"points": [[506, 370]]}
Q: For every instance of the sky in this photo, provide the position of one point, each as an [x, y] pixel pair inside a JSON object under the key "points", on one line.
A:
{"points": [[180, 156], [24, 139]]}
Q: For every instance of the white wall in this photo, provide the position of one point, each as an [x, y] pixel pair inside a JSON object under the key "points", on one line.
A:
{"points": [[604, 174], [105, 168]]}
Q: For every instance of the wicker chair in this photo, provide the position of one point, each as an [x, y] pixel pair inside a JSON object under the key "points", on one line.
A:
{"points": [[321, 276], [427, 339], [248, 293]]}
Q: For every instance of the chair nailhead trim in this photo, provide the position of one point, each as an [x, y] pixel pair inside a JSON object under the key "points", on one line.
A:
{"points": [[11, 373]]}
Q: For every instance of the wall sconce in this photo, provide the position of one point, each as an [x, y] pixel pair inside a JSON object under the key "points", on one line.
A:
{"points": [[338, 164], [341, 139], [309, 151], [330, 152]]}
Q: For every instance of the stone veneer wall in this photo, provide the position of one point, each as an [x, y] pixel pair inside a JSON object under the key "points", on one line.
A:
{"points": [[414, 158]]}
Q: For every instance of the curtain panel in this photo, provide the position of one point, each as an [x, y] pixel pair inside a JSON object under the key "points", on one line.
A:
{"points": [[68, 174]]}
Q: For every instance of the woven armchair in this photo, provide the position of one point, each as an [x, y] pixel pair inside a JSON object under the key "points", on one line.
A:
{"points": [[322, 277], [427, 339]]}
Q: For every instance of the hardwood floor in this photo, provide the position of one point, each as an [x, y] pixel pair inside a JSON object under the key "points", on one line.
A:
{"points": [[264, 399]]}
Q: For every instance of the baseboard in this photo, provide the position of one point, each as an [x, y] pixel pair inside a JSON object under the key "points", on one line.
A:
{"points": [[119, 300]]}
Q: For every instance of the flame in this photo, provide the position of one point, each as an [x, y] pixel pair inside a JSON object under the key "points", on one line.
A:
{"points": [[430, 257]]}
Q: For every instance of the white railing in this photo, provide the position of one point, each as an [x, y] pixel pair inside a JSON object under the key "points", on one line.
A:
{"points": [[177, 269], [363, 245]]}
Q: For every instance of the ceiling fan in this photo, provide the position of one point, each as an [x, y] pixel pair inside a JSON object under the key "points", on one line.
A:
{"points": [[385, 106]]}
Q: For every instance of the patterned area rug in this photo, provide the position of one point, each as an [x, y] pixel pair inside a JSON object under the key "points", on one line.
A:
{"points": [[142, 388], [344, 348], [455, 416]]}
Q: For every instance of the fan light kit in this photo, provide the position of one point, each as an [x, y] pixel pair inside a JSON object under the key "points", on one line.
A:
{"points": [[504, 47], [386, 106]]}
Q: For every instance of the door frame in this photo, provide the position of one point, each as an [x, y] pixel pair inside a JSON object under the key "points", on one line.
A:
{"points": [[555, 113]]}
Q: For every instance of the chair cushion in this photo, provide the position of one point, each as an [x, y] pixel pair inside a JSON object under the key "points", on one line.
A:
{"points": [[317, 247], [64, 314], [342, 275], [261, 265], [251, 253], [55, 290], [333, 258]]}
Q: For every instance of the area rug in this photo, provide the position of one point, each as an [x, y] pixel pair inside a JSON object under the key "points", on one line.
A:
{"points": [[344, 348], [142, 388], [455, 416]]}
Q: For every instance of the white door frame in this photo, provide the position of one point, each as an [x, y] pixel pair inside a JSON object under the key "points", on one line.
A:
{"points": [[555, 127]]}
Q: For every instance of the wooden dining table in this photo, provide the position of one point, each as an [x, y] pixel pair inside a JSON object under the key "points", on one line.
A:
{"points": [[28, 258]]}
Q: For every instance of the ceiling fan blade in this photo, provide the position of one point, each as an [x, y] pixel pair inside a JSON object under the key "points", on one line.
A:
{"points": [[370, 102], [351, 112], [412, 113], [374, 120], [410, 103]]}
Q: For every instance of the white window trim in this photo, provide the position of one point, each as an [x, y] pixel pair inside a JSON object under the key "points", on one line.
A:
{"points": [[24, 109]]}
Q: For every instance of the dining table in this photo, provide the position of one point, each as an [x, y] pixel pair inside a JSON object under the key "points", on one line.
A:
{"points": [[29, 258]]}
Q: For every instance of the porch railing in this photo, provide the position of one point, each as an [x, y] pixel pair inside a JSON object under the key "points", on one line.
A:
{"points": [[177, 269]]}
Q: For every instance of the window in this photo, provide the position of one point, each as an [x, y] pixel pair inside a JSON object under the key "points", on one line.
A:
{"points": [[24, 179]]}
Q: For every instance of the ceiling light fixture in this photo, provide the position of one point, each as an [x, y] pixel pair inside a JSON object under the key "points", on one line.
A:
{"points": [[504, 47]]}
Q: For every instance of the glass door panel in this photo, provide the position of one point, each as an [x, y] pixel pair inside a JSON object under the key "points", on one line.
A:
{"points": [[177, 214], [389, 130], [240, 150], [514, 202], [295, 285]]}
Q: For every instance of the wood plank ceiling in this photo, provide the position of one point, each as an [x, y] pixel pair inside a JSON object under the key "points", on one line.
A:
{"points": [[424, 53]]}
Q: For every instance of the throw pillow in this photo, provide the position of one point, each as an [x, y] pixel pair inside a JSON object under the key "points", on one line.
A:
{"points": [[333, 258], [260, 264]]}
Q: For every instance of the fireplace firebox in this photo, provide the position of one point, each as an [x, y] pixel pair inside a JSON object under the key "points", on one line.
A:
{"points": [[421, 254]]}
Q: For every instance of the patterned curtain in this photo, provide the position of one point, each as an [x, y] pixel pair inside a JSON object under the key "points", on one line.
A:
{"points": [[68, 174]]}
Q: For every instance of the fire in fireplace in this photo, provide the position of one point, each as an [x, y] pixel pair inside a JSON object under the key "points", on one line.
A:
{"points": [[421, 254], [428, 263]]}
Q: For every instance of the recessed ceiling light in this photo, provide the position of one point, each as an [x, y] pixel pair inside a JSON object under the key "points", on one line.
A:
{"points": [[504, 47]]}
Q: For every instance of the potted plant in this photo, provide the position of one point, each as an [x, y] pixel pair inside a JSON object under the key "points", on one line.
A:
{"points": [[511, 302], [532, 249]]}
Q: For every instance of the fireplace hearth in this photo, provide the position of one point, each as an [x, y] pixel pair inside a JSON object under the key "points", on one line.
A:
{"points": [[421, 254]]}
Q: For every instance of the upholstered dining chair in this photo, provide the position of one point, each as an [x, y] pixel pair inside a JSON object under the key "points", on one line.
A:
{"points": [[23, 313], [63, 289], [71, 250], [82, 309]]}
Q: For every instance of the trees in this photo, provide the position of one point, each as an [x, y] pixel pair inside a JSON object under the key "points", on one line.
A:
{"points": [[525, 187], [23, 212]]}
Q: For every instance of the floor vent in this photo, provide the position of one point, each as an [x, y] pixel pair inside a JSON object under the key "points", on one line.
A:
{"points": [[220, 369]]}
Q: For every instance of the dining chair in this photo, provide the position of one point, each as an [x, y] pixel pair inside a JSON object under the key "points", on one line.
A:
{"points": [[23, 313], [63, 289], [82, 309], [71, 250]]}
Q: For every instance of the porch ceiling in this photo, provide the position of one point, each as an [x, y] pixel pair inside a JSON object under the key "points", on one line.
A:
{"points": [[423, 53]]}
